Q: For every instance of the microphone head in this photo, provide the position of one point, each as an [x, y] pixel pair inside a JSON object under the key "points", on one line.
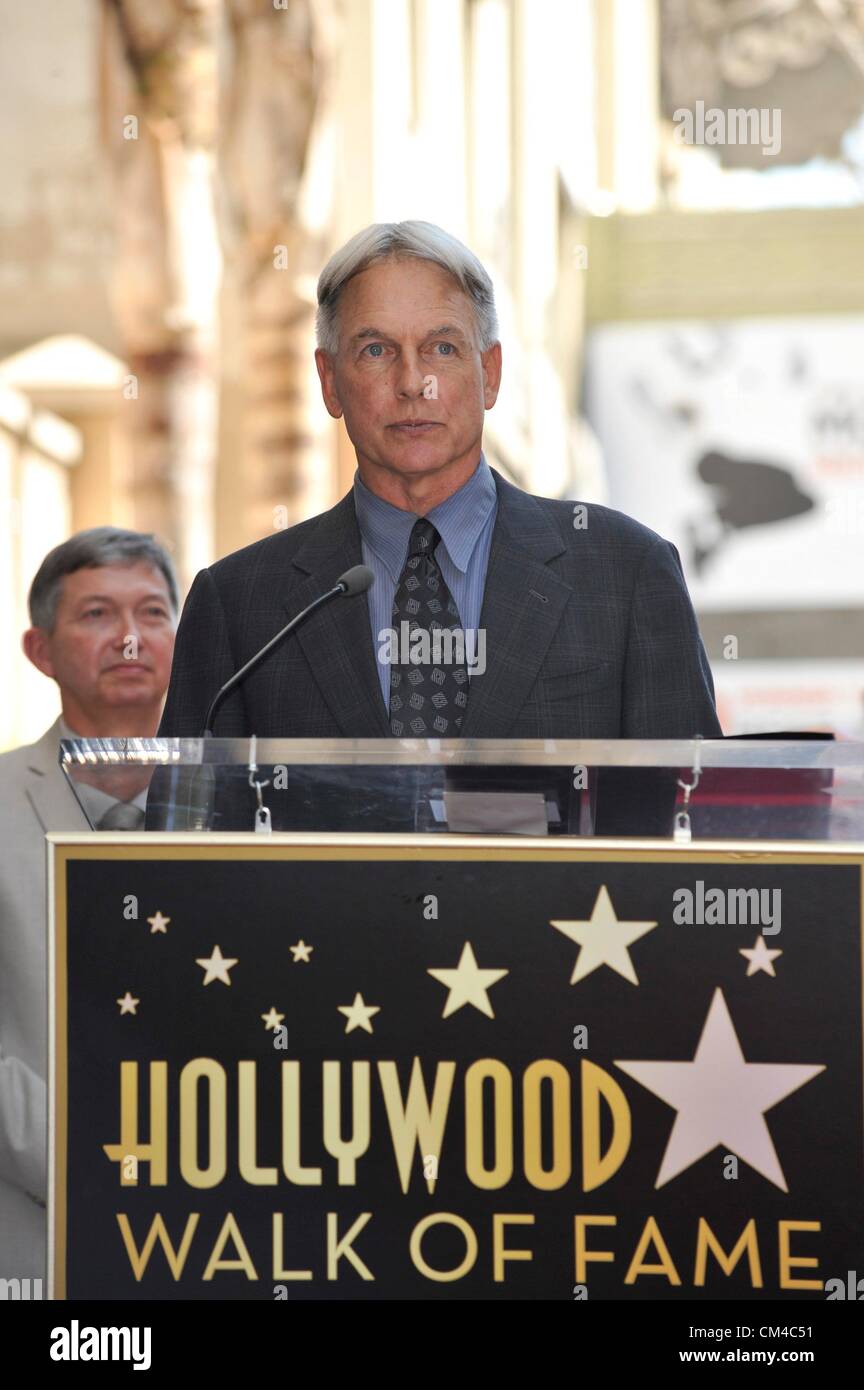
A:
{"points": [[356, 580]]}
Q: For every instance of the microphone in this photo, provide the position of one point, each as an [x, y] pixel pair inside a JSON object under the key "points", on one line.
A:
{"points": [[354, 581]]}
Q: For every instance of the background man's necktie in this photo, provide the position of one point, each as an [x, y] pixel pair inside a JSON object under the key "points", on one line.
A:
{"points": [[123, 815], [426, 700]]}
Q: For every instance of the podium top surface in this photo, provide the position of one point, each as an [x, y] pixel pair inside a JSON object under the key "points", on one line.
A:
{"points": [[816, 753], [807, 788]]}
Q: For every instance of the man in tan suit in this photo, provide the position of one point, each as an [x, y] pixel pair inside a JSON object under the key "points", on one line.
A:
{"points": [[103, 608]]}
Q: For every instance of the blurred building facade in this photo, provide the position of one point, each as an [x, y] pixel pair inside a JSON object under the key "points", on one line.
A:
{"points": [[176, 176]]}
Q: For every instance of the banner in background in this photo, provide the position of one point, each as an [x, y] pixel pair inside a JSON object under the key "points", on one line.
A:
{"points": [[743, 443]]}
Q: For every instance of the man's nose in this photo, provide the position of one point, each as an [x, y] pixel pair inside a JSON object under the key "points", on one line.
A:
{"points": [[128, 631], [410, 375]]}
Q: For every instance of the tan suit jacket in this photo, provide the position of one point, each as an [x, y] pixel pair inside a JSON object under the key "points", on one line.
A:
{"points": [[34, 798]]}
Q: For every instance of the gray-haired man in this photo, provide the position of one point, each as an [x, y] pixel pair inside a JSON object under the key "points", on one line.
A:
{"points": [[562, 621], [103, 608]]}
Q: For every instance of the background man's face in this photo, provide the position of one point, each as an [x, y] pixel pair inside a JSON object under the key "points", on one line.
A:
{"points": [[408, 352], [113, 638]]}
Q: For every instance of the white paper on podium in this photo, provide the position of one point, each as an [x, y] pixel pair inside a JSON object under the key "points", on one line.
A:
{"points": [[508, 813]]}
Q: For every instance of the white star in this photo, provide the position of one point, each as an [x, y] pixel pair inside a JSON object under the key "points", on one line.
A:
{"points": [[128, 1005], [468, 984], [158, 922], [720, 1098], [272, 1019], [358, 1014], [216, 967], [760, 957], [301, 951], [604, 940]]}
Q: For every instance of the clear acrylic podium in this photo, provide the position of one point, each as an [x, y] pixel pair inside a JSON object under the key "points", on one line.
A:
{"points": [[425, 1040], [807, 789]]}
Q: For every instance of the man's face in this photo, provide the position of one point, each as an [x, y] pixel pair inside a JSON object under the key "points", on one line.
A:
{"points": [[408, 352], [113, 639]]}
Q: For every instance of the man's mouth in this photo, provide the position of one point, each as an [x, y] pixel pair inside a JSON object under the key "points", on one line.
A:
{"points": [[415, 426]]}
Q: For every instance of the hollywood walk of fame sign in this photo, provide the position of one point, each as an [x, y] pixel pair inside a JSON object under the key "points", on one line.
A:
{"points": [[420, 1068]]}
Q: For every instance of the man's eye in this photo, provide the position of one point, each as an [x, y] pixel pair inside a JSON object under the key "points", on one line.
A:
{"points": [[449, 346], [374, 349], [93, 613]]}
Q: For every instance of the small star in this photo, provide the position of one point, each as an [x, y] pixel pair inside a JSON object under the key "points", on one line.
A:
{"points": [[358, 1014], [603, 940], [301, 951], [128, 1005], [760, 958], [216, 968], [272, 1019], [468, 984], [158, 922]]}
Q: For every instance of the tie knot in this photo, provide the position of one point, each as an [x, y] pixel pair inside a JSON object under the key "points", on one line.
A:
{"points": [[424, 538], [123, 815]]}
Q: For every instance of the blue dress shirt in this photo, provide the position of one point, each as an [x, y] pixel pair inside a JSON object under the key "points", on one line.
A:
{"points": [[464, 521]]}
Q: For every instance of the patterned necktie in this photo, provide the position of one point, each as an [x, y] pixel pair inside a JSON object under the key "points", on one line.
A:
{"points": [[427, 696], [123, 815]]}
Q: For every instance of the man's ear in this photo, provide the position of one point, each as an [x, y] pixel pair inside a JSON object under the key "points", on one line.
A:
{"points": [[36, 645], [491, 362], [324, 363]]}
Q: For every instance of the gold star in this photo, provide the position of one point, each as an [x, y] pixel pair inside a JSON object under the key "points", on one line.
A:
{"points": [[468, 984], [760, 958], [358, 1014], [603, 940], [128, 1005], [216, 968], [272, 1019], [158, 922], [301, 951]]}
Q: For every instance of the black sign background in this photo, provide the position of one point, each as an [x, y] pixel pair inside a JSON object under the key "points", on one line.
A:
{"points": [[364, 918]]}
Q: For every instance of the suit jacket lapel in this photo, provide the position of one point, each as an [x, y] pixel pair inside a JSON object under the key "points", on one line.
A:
{"points": [[522, 605], [48, 791], [337, 640]]}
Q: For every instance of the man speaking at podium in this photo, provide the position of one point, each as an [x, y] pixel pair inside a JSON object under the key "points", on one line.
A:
{"points": [[490, 613]]}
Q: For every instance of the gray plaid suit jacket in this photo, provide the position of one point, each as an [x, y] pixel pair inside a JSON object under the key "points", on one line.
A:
{"points": [[590, 633]]}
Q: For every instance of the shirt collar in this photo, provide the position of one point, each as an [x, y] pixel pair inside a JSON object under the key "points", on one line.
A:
{"points": [[459, 520]]}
